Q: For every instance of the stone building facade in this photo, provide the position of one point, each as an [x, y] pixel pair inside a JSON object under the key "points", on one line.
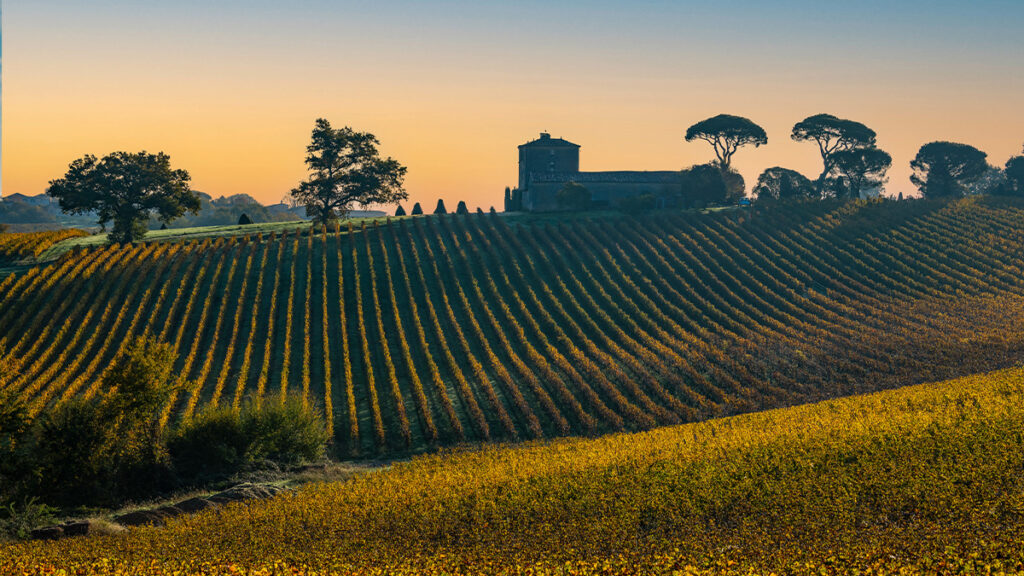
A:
{"points": [[547, 164]]}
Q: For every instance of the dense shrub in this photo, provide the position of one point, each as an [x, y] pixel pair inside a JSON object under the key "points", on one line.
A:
{"points": [[704, 184], [781, 184], [101, 450], [639, 203], [18, 520], [573, 197], [224, 441]]}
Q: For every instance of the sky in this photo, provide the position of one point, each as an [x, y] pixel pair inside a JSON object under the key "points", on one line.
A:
{"points": [[230, 89]]}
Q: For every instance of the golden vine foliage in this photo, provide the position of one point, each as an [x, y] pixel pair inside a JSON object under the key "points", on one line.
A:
{"points": [[21, 245], [921, 480]]}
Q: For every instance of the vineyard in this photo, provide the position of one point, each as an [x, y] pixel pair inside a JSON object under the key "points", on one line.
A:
{"points": [[438, 330], [920, 480], [17, 246]]}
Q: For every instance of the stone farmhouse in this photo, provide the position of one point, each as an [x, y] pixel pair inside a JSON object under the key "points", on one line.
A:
{"points": [[547, 164]]}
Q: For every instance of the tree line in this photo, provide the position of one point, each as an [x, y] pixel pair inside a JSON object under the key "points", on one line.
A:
{"points": [[852, 163], [127, 190]]}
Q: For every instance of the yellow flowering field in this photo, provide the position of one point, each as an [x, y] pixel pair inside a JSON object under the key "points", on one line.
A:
{"points": [[921, 480]]}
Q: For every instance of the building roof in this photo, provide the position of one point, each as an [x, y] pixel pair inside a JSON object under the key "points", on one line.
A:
{"points": [[618, 177], [546, 141]]}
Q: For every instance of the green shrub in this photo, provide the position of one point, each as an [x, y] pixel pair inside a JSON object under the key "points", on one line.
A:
{"points": [[573, 197], [211, 445], [102, 450], [285, 432], [18, 521], [221, 442]]}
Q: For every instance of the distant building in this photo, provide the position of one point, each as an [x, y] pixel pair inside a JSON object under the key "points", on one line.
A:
{"points": [[547, 164]]}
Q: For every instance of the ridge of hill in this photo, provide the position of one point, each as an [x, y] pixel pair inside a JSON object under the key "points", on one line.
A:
{"points": [[920, 480], [428, 331]]}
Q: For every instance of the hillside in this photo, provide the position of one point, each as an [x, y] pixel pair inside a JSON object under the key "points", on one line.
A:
{"points": [[921, 480], [437, 330]]}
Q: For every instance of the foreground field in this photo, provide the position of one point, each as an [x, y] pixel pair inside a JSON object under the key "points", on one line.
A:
{"points": [[437, 330], [921, 480]]}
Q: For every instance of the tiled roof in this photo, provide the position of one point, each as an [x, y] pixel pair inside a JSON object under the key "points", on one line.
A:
{"points": [[620, 177]]}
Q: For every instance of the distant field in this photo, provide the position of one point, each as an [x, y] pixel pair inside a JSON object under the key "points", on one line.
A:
{"points": [[182, 234], [923, 480], [17, 246], [438, 330]]}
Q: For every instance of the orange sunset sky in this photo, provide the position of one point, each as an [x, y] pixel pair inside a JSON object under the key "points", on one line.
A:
{"points": [[230, 89]]}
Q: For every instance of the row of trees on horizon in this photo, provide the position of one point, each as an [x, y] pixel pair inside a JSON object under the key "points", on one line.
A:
{"points": [[346, 170], [852, 162]]}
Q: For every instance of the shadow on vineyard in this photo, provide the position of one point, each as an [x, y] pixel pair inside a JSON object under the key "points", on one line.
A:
{"points": [[111, 448], [437, 330]]}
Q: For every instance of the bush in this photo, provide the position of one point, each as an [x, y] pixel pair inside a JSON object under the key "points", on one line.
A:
{"points": [[211, 445], [640, 203], [440, 209], [782, 184], [15, 456], [101, 450], [417, 209], [18, 521], [573, 197], [285, 432], [224, 441], [704, 184], [244, 220]]}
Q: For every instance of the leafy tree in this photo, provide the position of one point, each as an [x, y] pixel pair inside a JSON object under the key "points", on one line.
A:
{"points": [[440, 209], [573, 196], [735, 186], [947, 168], [704, 184], [781, 184], [727, 134], [417, 209], [125, 189], [861, 168], [832, 135], [462, 208], [993, 181], [244, 220], [346, 169], [399, 211], [109, 447], [1015, 176]]}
